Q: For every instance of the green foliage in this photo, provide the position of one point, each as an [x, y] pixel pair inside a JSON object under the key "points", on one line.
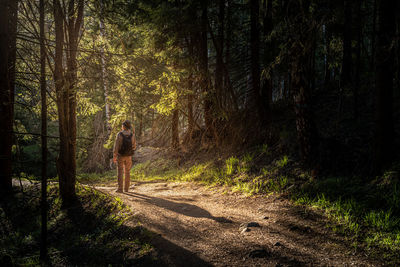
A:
{"points": [[230, 165], [245, 164], [382, 220], [235, 173], [264, 150], [282, 162]]}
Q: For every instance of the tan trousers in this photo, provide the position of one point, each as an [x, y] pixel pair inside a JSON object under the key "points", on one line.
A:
{"points": [[124, 167]]}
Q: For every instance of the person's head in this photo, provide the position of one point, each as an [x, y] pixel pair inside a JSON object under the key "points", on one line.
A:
{"points": [[126, 125]]}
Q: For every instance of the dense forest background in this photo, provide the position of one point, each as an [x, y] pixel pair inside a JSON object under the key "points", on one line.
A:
{"points": [[319, 79]]}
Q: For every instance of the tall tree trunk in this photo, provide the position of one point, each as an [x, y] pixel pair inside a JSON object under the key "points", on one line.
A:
{"points": [[373, 35], [326, 38], [190, 112], [266, 90], [65, 85], [356, 87], [347, 38], [346, 74], [227, 80], [384, 128], [43, 241], [306, 132], [203, 54], [398, 51], [255, 57], [175, 129], [104, 70], [190, 94], [140, 130], [8, 31], [219, 68], [301, 56]]}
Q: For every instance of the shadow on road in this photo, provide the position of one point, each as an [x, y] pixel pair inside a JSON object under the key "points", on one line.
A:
{"points": [[179, 207]]}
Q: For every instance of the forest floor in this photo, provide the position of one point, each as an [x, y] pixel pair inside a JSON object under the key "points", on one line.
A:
{"points": [[196, 225]]}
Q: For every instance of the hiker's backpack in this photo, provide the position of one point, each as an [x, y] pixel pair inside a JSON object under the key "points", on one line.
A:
{"points": [[126, 146]]}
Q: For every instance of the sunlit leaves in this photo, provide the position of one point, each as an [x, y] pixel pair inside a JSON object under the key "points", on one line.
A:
{"points": [[85, 106]]}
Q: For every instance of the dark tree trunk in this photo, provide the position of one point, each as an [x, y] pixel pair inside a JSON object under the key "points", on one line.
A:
{"points": [[346, 74], [266, 91], [356, 87], [140, 130], [373, 36], [104, 70], [203, 60], [190, 94], [398, 51], [347, 38], [190, 111], [327, 38], [43, 241], [302, 50], [175, 129], [306, 131], [65, 84], [8, 30], [384, 59], [228, 45], [255, 57], [220, 54]]}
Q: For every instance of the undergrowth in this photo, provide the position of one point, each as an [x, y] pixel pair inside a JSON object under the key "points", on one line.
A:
{"points": [[92, 233], [367, 212], [239, 173]]}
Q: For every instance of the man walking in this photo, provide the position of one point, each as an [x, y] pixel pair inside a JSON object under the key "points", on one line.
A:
{"points": [[125, 144]]}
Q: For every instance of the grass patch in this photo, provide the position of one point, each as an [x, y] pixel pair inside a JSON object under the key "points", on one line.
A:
{"points": [[367, 212], [94, 233], [237, 173]]}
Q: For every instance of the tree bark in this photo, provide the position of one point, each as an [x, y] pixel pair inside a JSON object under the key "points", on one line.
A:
{"points": [[220, 55], [327, 38], [203, 60], [347, 38], [228, 48], [300, 85], [43, 241], [266, 90], [140, 130], [8, 30], [70, 21], [306, 131], [175, 129], [104, 70], [357, 70], [373, 35], [255, 57], [346, 74], [227, 80], [384, 59], [190, 94]]}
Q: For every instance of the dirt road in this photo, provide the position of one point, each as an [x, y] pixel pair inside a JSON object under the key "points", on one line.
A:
{"points": [[199, 227]]}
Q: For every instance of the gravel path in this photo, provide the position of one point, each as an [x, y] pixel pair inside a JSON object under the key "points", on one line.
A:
{"points": [[198, 226]]}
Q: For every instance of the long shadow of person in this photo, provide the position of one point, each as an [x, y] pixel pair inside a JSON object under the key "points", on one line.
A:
{"points": [[179, 207]]}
